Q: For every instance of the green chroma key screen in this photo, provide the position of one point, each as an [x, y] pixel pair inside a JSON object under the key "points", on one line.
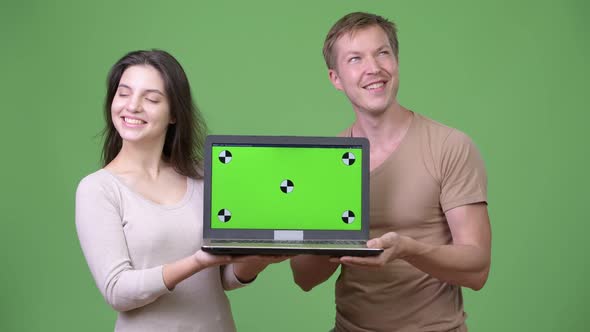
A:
{"points": [[300, 188]]}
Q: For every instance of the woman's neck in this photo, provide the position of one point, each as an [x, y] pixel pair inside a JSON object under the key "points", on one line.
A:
{"points": [[138, 159]]}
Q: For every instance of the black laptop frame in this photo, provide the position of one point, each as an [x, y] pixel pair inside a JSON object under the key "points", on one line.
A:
{"points": [[301, 141]]}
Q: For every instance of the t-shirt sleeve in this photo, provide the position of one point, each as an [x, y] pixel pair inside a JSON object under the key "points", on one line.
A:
{"points": [[464, 179], [100, 231]]}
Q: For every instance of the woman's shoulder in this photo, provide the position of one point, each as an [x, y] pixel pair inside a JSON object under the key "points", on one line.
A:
{"points": [[98, 182], [196, 184], [98, 177]]}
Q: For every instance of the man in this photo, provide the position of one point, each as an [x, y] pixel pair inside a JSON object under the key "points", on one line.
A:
{"points": [[428, 199]]}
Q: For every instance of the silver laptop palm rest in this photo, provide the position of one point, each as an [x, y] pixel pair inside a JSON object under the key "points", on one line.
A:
{"points": [[288, 235]]}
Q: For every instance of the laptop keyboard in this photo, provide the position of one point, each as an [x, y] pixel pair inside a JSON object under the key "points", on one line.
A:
{"points": [[320, 242]]}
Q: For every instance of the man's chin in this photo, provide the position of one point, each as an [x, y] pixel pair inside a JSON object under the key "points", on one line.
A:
{"points": [[374, 109]]}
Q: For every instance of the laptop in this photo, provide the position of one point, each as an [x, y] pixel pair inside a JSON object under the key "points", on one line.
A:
{"points": [[286, 195]]}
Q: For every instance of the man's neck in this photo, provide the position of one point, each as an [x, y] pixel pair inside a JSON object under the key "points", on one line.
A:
{"points": [[384, 129]]}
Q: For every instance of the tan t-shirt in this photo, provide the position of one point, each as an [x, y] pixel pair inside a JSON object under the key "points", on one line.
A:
{"points": [[434, 169]]}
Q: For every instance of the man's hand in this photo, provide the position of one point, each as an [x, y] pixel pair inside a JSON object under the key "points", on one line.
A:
{"points": [[394, 246], [464, 262]]}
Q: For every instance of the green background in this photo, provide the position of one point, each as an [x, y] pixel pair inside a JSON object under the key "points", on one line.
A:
{"points": [[511, 74], [249, 187]]}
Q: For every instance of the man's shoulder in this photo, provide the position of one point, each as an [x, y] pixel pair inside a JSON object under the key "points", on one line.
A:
{"points": [[427, 123], [440, 133], [346, 132]]}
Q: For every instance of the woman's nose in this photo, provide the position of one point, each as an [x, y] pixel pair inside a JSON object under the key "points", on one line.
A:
{"points": [[133, 105]]}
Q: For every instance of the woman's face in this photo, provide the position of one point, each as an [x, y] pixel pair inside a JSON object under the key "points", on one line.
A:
{"points": [[140, 109]]}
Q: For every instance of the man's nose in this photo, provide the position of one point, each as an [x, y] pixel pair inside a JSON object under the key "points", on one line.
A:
{"points": [[373, 66]]}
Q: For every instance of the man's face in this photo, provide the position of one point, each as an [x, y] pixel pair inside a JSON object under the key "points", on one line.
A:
{"points": [[366, 70]]}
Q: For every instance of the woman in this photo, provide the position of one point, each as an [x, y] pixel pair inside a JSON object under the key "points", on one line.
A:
{"points": [[139, 219]]}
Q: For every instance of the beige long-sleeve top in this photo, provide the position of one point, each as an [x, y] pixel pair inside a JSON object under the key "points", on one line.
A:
{"points": [[127, 239]]}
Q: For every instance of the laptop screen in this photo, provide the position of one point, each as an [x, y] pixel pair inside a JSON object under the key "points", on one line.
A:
{"points": [[285, 186]]}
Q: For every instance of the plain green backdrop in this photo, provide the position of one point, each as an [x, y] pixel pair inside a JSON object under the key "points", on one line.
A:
{"points": [[511, 74]]}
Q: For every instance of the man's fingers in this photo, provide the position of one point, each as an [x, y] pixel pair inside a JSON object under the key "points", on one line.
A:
{"points": [[390, 238], [374, 243], [364, 261], [385, 241]]}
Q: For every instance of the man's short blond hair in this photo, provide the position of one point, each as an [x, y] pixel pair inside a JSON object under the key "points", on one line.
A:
{"points": [[354, 22]]}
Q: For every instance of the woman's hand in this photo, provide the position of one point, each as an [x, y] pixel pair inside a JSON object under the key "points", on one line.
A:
{"points": [[205, 260], [246, 268]]}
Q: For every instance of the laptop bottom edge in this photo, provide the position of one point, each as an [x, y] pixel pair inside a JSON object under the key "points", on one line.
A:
{"points": [[279, 251]]}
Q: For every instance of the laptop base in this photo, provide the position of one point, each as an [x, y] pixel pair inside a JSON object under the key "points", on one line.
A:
{"points": [[291, 249]]}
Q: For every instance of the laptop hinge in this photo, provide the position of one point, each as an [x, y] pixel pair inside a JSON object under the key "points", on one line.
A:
{"points": [[289, 235]]}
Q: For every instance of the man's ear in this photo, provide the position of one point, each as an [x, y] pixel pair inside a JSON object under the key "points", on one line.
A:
{"points": [[335, 79]]}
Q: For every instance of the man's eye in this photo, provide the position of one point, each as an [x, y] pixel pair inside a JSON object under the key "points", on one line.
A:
{"points": [[354, 59], [384, 52]]}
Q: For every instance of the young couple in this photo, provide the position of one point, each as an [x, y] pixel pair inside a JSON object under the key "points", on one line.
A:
{"points": [[139, 218]]}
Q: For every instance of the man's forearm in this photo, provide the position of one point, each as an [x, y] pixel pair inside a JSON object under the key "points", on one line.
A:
{"points": [[463, 265]]}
